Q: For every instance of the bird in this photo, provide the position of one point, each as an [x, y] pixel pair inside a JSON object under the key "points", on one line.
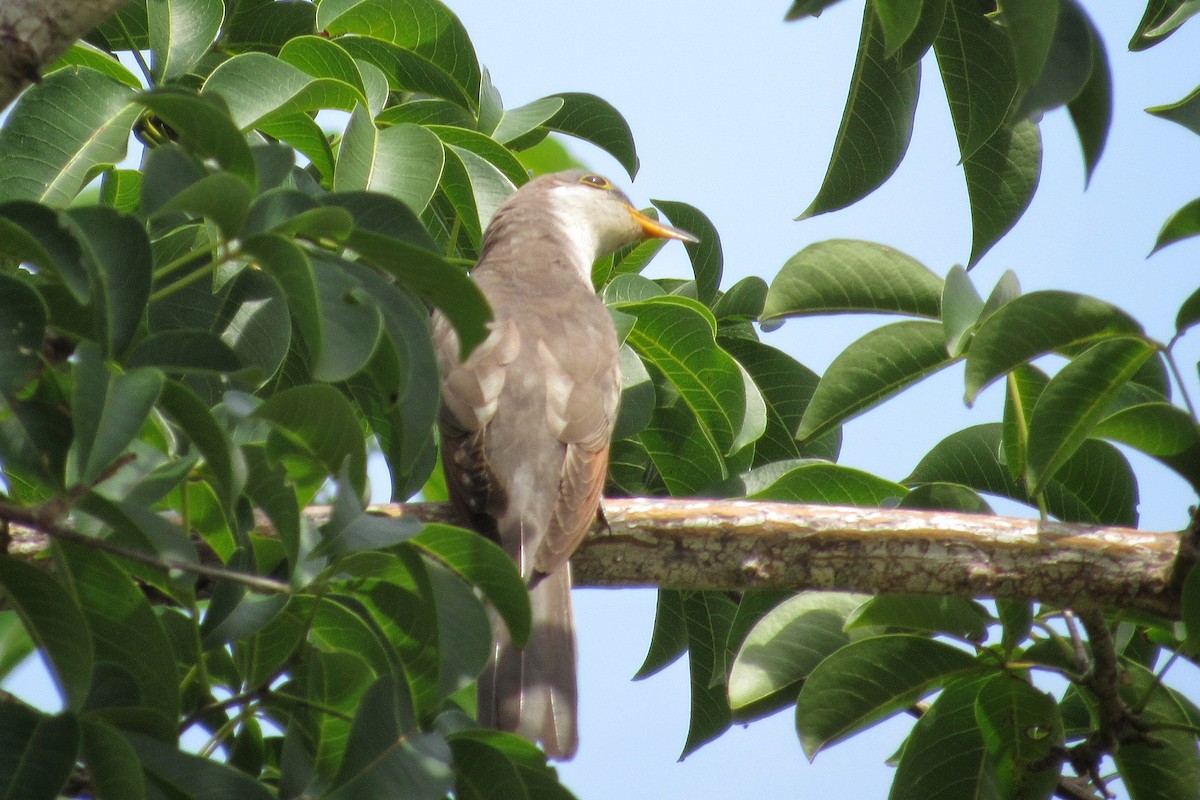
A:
{"points": [[525, 424]]}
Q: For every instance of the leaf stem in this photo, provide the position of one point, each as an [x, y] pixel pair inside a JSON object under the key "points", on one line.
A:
{"points": [[1171, 365], [133, 48], [31, 518]]}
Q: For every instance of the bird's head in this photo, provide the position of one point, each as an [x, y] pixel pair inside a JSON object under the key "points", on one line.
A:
{"points": [[580, 210]]}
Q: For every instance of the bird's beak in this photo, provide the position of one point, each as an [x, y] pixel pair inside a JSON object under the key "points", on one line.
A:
{"points": [[653, 227]]}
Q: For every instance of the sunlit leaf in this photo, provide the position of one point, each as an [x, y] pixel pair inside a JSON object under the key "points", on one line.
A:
{"points": [[876, 123]]}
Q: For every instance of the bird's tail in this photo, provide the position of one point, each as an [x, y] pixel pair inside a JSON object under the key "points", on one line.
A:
{"points": [[533, 691]]}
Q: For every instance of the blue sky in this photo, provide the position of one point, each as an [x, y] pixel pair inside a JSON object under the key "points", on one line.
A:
{"points": [[735, 111]]}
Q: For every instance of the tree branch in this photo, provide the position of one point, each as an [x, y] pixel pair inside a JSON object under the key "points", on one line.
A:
{"points": [[35, 32], [741, 545]]}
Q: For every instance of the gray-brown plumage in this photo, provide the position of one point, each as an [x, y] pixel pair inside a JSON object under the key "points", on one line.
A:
{"points": [[525, 425]]}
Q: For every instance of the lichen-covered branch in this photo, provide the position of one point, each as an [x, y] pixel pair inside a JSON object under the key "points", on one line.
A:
{"points": [[739, 545], [35, 32], [743, 544]]}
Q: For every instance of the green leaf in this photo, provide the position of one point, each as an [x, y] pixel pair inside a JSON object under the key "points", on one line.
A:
{"points": [[121, 189], [1191, 608], [187, 775], [957, 616], [135, 680], [844, 275], [677, 337], [109, 412], [488, 186], [708, 616], [1092, 109], [706, 256], [323, 58], [350, 323], [944, 496], [517, 122], [486, 565], [1021, 727], [498, 156], [1075, 400], [813, 481], [945, 757], [1002, 175], [876, 124], [259, 88], [407, 71], [409, 400], [225, 463], [741, 302], [898, 19], [868, 680], [1068, 68], [682, 451], [787, 387], [961, 308], [222, 197], [319, 422], [1035, 324], [387, 755], [116, 252], [1185, 112], [979, 73], [1025, 385], [254, 321], [1030, 25], [484, 773], [36, 234], [668, 639], [181, 32], [37, 752], [185, 350], [111, 761], [55, 623], [34, 441], [404, 161], [1094, 485], [82, 54], [305, 135], [1160, 20], [637, 396], [426, 28], [1170, 768], [1183, 224], [350, 529], [784, 647], [267, 25], [22, 328], [1156, 428], [933, 14], [91, 117], [205, 128], [872, 369], [587, 117], [388, 234]]}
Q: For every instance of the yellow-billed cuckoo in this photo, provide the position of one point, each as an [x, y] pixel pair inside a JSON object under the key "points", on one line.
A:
{"points": [[526, 420]]}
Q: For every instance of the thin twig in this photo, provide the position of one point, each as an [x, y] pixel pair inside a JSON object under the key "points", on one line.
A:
{"points": [[40, 522]]}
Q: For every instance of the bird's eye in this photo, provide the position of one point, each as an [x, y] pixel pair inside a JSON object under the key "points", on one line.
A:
{"points": [[598, 181]]}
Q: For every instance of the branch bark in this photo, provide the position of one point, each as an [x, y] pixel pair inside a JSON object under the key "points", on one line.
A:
{"points": [[741, 545], [35, 32]]}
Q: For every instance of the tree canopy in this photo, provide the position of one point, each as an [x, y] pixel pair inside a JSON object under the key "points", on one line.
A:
{"points": [[196, 350]]}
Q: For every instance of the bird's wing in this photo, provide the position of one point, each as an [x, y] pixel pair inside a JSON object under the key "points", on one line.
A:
{"points": [[470, 395], [582, 396]]}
